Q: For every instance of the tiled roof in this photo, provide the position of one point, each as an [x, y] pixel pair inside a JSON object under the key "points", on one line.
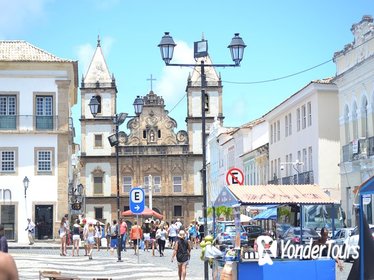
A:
{"points": [[25, 52], [279, 194]]}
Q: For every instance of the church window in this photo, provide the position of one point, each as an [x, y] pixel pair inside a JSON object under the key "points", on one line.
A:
{"points": [[177, 210], [98, 98], [127, 184], [156, 184], [159, 133], [177, 184], [98, 212], [206, 102], [98, 141], [144, 134], [98, 184]]}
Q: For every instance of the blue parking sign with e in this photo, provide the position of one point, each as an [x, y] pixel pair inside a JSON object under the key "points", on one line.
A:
{"points": [[137, 202]]}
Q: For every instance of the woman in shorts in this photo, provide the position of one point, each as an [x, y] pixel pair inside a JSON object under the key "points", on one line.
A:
{"points": [[90, 239], [76, 237], [146, 235]]}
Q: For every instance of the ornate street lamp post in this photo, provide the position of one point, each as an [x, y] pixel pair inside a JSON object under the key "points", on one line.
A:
{"points": [[118, 119], [236, 47], [26, 182]]}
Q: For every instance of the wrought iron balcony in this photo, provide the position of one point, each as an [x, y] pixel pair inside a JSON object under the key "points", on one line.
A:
{"points": [[303, 178], [34, 123], [363, 149], [153, 150]]}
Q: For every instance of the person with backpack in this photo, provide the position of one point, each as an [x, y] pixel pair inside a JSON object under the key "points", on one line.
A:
{"points": [[182, 251]]}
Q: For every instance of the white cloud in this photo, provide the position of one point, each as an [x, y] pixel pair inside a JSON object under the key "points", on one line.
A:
{"points": [[15, 15], [173, 81]]}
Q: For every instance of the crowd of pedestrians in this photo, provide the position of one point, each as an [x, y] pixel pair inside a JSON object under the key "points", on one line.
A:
{"points": [[151, 236]]}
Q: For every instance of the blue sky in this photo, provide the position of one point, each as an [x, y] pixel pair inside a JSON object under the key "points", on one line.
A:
{"points": [[282, 37]]}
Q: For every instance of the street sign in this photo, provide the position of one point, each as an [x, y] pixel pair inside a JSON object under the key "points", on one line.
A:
{"points": [[137, 200], [235, 176]]}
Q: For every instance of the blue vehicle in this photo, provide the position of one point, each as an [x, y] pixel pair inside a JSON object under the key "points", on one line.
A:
{"points": [[226, 233]]}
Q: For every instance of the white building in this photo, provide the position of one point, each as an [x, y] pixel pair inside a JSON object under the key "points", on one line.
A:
{"points": [[304, 138], [37, 91], [355, 80], [244, 148]]}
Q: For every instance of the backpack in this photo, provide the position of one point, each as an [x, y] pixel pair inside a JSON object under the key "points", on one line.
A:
{"points": [[183, 254]]}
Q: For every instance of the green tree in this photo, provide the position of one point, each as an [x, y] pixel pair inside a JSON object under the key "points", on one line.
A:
{"points": [[221, 210]]}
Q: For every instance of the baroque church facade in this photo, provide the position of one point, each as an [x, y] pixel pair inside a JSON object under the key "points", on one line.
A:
{"points": [[151, 152]]}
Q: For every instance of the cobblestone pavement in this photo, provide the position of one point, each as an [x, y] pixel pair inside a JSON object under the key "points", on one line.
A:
{"points": [[104, 264], [32, 259]]}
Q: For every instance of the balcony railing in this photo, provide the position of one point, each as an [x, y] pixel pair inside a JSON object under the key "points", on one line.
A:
{"points": [[364, 149], [153, 150], [34, 123], [303, 178]]}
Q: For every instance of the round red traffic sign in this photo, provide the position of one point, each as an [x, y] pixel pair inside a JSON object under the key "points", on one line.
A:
{"points": [[235, 176]]}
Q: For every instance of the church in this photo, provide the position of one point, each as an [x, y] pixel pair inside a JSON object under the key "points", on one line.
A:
{"points": [[152, 154]]}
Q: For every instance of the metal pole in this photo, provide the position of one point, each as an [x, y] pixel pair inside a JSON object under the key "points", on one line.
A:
{"points": [[361, 239], [119, 241], [301, 224], [203, 171], [137, 238]]}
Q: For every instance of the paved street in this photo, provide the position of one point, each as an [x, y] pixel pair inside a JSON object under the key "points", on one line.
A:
{"points": [[31, 261]]}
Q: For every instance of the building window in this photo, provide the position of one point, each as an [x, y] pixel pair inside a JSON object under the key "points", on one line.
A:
{"points": [[354, 121], [286, 126], [144, 134], [303, 112], [98, 141], [289, 124], [279, 168], [177, 184], [44, 113], [346, 124], [177, 210], [272, 169], [278, 130], [8, 161], [298, 120], [310, 159], [304, 160], [299, 156], [159, 133], [289, 166], [98, 213], [127, 184], [309, 113], [206, 102], [364, 118], [8, 219], [44, 160], [98, 185], [156, 184], [8, 112], [271, 134], [98, 98]]}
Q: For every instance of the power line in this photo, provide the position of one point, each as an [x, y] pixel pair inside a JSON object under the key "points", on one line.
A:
{"points": [[279, 78], [178, 102]]}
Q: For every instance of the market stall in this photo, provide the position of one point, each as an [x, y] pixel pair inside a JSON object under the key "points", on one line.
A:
{"points": [[237, 195]]}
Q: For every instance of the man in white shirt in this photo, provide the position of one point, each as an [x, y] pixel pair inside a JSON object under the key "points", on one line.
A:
{"points": [[30, 231], [172, 232]]}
